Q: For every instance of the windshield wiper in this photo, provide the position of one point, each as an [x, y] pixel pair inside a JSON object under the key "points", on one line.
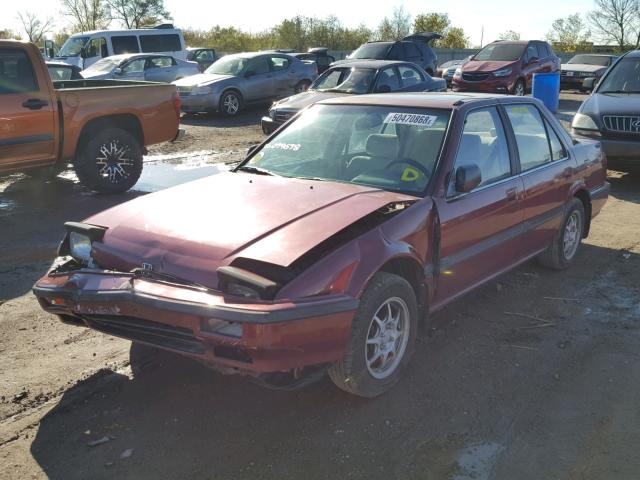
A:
{"points": [[256, 170]]}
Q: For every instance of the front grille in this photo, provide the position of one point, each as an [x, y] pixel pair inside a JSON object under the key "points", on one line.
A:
{"points": [[282, 116], [475, 77], [138, 329], [622, 123]]}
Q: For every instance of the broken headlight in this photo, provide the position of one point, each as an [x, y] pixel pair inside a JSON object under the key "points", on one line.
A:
{"points": [[243, 283], [78, 241]]}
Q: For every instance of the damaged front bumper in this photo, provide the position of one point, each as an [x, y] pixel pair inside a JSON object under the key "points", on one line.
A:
{"points": [[235, 337]]}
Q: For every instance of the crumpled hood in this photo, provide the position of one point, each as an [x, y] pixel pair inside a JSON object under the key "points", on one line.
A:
{"points": [[486, 66], [201, 79], [304, 99], [581, 67], [190, 230]]}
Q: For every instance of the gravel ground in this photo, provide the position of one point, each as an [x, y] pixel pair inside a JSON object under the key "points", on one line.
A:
{"points": [[534, 376]]}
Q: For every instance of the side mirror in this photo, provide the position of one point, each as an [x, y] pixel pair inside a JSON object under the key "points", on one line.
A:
{"points": [[249, 74], [468, 177], [589, 83], [251, 149], [383, 89], [117, 71]]}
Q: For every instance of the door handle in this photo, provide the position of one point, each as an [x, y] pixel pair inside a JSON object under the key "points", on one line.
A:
{"points": [[34, 104], [512, 194]]}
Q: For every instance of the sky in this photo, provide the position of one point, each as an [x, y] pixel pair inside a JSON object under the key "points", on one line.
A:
{"points": [[531, 21]]}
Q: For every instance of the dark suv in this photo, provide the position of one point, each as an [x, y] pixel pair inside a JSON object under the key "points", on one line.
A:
{"points": [[506, 67], [414, 48]]}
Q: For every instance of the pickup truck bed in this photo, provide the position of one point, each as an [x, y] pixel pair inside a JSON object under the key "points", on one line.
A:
{"points": [[101, 126]]}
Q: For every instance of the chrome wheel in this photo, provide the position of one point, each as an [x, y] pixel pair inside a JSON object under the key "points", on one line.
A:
{"points": [[114, 161], [231, 104], [387, 338], [572, 235]]}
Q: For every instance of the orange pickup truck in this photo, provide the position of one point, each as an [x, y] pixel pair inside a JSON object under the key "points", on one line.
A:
{"points": [[101, 126]]}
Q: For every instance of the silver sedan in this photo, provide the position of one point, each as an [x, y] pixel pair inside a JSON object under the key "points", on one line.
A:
{"points": [[152, 67], [235, 81]]}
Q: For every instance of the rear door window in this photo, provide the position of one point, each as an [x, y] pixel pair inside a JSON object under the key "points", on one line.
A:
{"points": [[160, 43], [410, 75], [125, 44], [279, 63], [389, 77], [16, 72], [160, 62], [134, 66], [531, 136]]}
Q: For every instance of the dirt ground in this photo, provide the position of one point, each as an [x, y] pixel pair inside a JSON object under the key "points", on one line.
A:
{"points": [[534, 376]]}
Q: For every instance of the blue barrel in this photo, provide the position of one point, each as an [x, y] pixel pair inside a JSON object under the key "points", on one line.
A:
{"points": [[546, 87]]}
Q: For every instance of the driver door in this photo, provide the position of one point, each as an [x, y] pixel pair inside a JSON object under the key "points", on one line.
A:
{"points": [[480, 230], [259, 80]]}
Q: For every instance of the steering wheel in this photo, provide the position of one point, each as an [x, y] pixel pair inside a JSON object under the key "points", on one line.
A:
{"points": [[414, 164]]}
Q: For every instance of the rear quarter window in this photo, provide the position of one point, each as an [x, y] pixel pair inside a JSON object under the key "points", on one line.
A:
{"points": [[160, 43], [125, 44]]}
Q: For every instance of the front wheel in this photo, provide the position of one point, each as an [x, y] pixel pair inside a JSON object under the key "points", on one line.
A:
{"points": [[382, 338], [110, 161], [230, 103], [562, 252], [519, 88]]}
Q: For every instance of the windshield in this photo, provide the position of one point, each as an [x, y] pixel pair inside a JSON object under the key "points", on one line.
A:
{"points": [[104, 65], [346, 80], [230, 65], [500, 52], [590, 60], [372, 50], [392, 148], [623, 78], [72, 46], [59, 72]]}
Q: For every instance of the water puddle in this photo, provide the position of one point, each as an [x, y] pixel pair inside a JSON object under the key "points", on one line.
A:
{"points": [[476, 462]]}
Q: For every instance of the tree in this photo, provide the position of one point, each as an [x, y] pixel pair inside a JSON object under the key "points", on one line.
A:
{"points": [[509, 35], [8, 34], [617, 21], [87, 14], [396, 27], [34, 27], [138, 13], [569, 34], [452, 37]]}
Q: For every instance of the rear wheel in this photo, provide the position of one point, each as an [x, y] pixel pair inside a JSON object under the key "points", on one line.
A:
{"points": [[382, 338], [110, 161], [230, 103], [562, 252], [302, 86]]}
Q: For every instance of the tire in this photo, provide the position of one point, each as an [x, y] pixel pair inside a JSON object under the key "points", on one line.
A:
{"points": [[110, 161], [519, 89], [230, 103], [362, 371], [302, 86], [558, 256]]}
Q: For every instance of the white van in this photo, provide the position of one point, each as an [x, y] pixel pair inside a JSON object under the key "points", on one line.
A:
{"points": [[84, 49]]}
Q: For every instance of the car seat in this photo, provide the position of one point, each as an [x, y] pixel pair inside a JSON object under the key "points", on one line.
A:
{"points": [[381, 149]]}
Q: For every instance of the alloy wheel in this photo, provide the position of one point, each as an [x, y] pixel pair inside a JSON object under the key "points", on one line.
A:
{"points": [[114, 161], [231, 104], [572, 234], [387, 338]]}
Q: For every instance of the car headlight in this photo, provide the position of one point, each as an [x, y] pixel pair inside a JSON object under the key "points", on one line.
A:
{"points": [[80, 247], [222, 327], [584, 122], [502, 73], [458, 71], [201, 90], [243, 283]]}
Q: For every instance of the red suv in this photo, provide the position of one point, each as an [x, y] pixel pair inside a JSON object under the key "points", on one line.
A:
{"points": [[505, 67]]}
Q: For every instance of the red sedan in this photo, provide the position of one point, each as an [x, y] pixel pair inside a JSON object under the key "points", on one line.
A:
{"points": [[335, 238]]}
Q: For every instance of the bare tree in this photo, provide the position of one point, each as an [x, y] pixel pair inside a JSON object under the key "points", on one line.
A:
{"points": [[87, 14], [396, 27], [34, 27], [509, 35], [138, 13], [569, 34], [617, 21]]}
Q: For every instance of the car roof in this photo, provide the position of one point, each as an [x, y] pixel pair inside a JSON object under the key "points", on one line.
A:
{"points": [[369, 63], [417, 99], [633, 54]]}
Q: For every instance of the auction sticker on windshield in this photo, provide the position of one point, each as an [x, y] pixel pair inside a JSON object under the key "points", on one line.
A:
{"points": [[411, 119]]}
